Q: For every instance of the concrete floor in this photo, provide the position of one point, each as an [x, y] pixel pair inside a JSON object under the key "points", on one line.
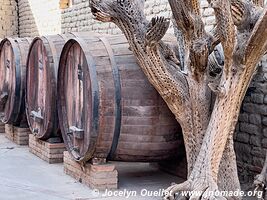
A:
{"points": [[24, 176]]}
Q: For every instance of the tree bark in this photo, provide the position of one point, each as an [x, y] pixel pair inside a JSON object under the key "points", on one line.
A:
{"points": [[222, 124], [242, 30], [228, 175]]}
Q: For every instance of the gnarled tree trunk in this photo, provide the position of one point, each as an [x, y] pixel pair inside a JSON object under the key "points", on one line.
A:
{"points": [[186, 79]]}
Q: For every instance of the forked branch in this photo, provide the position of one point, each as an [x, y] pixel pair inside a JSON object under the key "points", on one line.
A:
{"points": [[196, 42]]}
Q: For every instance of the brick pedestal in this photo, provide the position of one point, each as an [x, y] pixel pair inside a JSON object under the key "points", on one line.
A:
{"points": [[2, 128], [18, 135], [96, 176], [51, 153]]}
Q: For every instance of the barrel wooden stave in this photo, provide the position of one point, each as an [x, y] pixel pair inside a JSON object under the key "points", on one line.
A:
{"points": [[146, 125], [13, 55], [41, 94]]}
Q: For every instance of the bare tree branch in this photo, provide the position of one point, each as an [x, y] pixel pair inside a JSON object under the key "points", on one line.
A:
{"points": [[157, 28], [194, 6], [184, 20], [225, 30], [257, 43], [259, 2], [245, 15], [240, 12], [192, 35]]}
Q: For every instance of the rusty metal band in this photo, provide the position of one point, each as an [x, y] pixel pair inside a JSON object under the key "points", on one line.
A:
{"points": [[80, 34], [22, 43], [29, 40], [118, 109], [63, 36], [75, 34]]}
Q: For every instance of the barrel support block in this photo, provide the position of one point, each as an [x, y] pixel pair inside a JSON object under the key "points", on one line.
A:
{"points": [[49, 152], [96, 175], [2, 128], [18, 135]]}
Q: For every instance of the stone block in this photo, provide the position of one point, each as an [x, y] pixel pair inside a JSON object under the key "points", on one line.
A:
{"points": [[255, 108], [242, 137], [243, 152], [208, 12], [258, 152], [258, 162], [264, 121], [265, 98], [244, 117], [265, 132], [250, 128], [264, 142], [255, 140], [260, 87], [255, 119]]}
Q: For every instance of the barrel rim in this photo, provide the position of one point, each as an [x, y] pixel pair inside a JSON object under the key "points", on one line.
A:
{"points": [[94, 96]]}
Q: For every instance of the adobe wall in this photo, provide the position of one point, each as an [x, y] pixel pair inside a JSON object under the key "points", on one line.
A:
{"points": [[8, 18], [39, 17]]}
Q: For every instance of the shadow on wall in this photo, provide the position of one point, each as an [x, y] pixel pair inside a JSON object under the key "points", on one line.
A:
{"points": [[40, 17]]}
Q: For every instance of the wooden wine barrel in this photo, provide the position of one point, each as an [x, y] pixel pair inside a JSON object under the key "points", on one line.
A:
{"points": [[13, 57], [107, 108], [41, 93]]}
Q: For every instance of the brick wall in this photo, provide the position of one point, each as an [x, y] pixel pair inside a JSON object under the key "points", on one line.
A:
{"points": [[79, 18], [8, 18], [251, 131], [39, 17]]}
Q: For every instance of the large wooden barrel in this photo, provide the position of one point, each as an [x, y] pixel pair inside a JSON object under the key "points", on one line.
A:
{"points": [[41, 93], [107, 108], [13, 57]]}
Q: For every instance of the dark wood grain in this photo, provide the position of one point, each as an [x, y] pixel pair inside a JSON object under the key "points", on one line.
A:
{"points": [[148, 131]]}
